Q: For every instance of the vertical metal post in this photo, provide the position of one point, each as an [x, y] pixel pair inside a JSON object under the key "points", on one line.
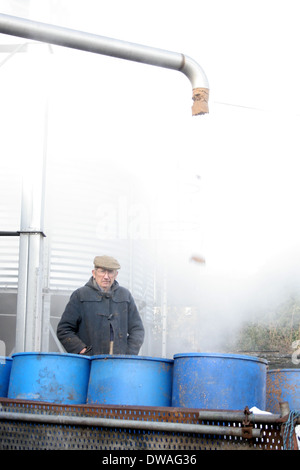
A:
{"points": [[164, 312], [30, 285], [29, 305]]}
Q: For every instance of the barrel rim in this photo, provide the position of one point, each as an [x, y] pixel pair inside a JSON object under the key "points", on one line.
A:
{"points": [[284, 370], [223, 356], [134, 357], [5, 358], [47, 354]]}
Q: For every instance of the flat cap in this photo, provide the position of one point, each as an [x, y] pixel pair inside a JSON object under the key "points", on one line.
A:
{"points": [[107, 262]]}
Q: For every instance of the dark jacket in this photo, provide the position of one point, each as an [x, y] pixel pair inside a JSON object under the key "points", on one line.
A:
{"points": [[92, 317]]}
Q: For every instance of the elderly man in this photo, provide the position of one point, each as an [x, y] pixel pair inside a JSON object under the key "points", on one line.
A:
{"points": [[101, 317]]}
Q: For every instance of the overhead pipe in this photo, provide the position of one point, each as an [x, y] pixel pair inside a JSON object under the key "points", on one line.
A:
{"points": [[88, 42]]}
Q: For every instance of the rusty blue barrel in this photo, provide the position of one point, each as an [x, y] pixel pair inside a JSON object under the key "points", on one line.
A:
{"points": [[49, 377], [130, 380], [5, 369], [219, 381], [283, 385]]}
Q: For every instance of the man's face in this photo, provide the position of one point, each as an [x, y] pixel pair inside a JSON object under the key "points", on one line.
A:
{"points": [[105, 277]]}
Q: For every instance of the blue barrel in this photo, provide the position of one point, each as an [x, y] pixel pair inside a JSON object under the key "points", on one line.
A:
{"points": [[219, 381], [5, 368], [283, 385], [49, 377], [130, 380]]}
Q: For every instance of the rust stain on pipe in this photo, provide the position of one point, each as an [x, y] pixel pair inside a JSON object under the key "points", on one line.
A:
{"points": [[200, 98]]}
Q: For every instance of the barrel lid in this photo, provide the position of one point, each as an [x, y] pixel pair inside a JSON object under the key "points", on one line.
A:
{"points": [[128, 357], [223, 356], [48, 354]]}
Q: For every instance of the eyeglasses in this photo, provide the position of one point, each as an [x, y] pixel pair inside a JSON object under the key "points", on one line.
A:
{"points": [[109, 272]]}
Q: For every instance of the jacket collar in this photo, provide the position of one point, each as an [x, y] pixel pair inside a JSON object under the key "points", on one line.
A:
{"points": [[93, 284]]}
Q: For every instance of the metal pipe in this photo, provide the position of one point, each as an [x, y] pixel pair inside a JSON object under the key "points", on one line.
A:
{"points": [[238, 417], [115, 48], [129, 424]]}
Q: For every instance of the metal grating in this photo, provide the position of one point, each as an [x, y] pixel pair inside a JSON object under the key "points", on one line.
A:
{"points": [[30, 435]]}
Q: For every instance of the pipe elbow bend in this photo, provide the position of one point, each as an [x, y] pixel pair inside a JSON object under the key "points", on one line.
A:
{"points": [[200, 85]]}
